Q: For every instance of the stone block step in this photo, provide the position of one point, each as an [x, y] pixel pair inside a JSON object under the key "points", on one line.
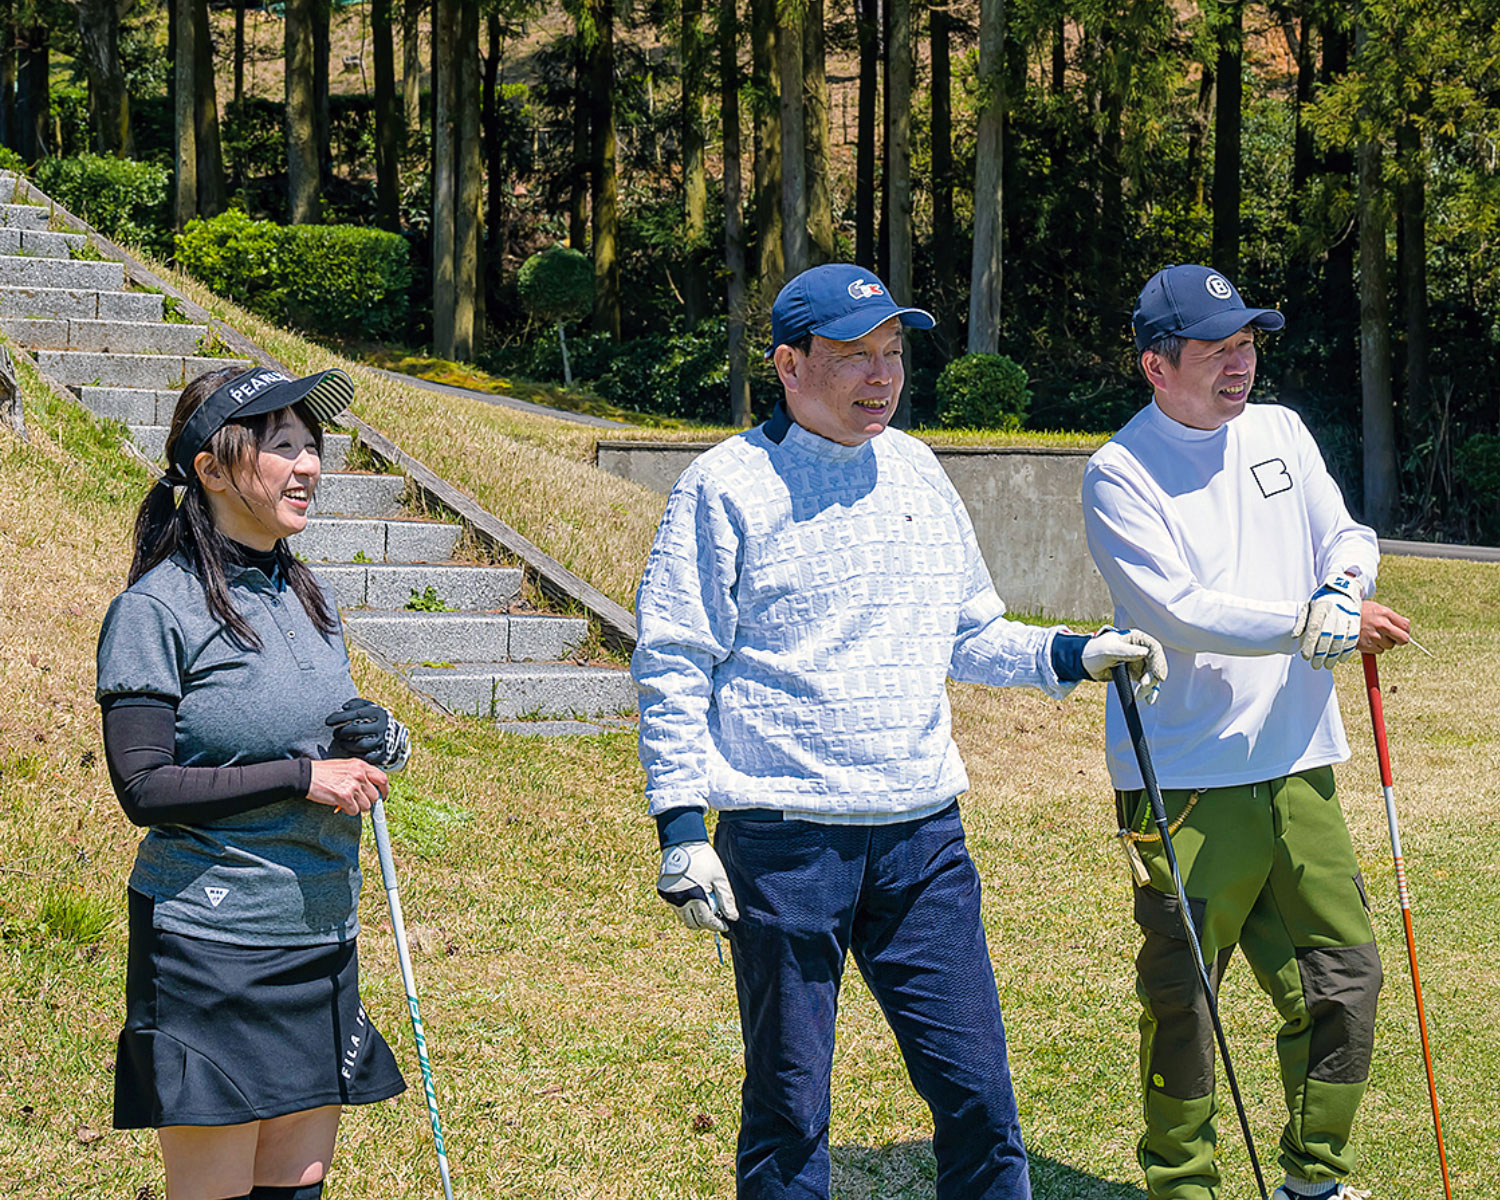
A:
{"points": [[505, 691], [66, 303], [61, 273], [351, 495], [23, 216], [390, 585], [152, 439], [82, 368], [105, 337], [342, 539], [39, 243], [460, 637], [133, 406], [566, 727]]}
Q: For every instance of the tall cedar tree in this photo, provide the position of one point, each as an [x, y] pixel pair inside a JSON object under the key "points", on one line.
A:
{"points": [[185, 123], [604, 192], [99, 42], [213, 194], [1228, 73], [694, 173], [819, 136], [301, 134], [985, 266], [867, 26], [735, 258], [387, 117], [445, 335], [794, 242], [765, 91]]}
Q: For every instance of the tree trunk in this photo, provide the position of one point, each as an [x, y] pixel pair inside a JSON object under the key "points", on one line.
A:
{"points": [[1198, 132], [1227, 124], [794, 243], [1381, 487], [213, 194], [494, 167], [765, 87], [868, 29], [444, 178], [985, 271], [322, 16], [942, 144], [694, 175], [411, 68], [468, 250], [1341, 306], [734, 230], [185, 124], [1304, 146], [1059, 81], [1413, 267], [899, 71], [301, 138], [604, 189], [819, 136], [578, 188], [239, 57], [387, 117], [35, 92], [9, 127], [109, 106]]}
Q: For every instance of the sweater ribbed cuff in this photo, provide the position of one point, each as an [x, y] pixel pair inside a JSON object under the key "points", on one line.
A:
{"points": [[1067, 656], [678, 825]]}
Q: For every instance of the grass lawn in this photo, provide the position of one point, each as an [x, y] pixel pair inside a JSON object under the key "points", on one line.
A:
{"points": [[587, 1046]]}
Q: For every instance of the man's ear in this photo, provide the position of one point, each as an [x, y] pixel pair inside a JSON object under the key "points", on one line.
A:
{"points": [[788, 363], [211, 473], [1153, 367]]}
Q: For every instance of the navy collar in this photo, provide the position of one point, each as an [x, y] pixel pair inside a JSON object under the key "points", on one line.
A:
{"points": [[779, 424]]}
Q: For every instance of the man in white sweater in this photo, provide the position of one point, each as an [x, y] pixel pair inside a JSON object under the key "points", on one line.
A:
{"points": [[814, 583], [1219, 530]]}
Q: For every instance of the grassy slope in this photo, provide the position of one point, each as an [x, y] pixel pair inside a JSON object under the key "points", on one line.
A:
{"points": [[577, 1032]]}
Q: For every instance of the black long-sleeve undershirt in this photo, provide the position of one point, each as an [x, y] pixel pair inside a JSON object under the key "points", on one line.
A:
{"points": [[140, 745]]}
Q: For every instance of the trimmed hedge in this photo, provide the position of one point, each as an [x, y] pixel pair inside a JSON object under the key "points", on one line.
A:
{"points": [[120, 197], [983, 391], [331, 279]]}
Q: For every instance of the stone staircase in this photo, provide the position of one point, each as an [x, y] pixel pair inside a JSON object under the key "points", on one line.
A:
{"points": [[457, 632]]}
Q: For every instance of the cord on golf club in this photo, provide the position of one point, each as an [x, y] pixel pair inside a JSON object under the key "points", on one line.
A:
{"points": [[408, 980], [1123, 689], [1383, 755]]}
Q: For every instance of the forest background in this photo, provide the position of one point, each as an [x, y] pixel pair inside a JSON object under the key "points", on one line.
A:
{"points": [[1020, 169]]}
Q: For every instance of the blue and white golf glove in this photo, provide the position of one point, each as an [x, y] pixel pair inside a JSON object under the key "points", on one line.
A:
{"points": [[1140, 652], [1327, 628], [694, 883], [363, 729]]}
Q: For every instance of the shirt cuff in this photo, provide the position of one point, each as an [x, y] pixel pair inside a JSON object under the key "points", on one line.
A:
{"points": [[678, 825], [1067, 656]]}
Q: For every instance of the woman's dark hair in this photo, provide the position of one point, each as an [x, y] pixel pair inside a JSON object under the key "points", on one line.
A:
{"points": [[163, 527]]}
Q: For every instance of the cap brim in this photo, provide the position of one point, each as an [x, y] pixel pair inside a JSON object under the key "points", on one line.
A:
{"points": [[325, 395], [1222, 324], [856, 325]]}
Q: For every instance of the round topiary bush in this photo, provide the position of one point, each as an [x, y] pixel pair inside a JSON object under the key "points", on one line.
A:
{"points": [[557, 286], [983, 391]]}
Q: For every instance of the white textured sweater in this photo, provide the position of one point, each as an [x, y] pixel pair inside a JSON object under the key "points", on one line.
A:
{"points": [[801, 609], [1212, 541]]}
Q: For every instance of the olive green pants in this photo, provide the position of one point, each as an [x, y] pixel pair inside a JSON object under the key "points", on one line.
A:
{"points": [[1268, 867]]}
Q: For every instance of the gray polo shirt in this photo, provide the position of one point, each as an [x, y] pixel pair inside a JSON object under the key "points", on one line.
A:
{"points": [[286, 874]]}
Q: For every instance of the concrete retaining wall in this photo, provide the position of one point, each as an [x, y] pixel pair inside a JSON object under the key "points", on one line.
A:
{"points": [[1023, 502]]}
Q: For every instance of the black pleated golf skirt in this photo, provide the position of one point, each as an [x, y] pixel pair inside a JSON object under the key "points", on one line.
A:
{"points": [[217, 1034]]}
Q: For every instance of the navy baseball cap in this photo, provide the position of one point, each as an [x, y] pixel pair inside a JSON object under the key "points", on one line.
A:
{"points": [[250, 394], [838, 301], [1197, 303]]}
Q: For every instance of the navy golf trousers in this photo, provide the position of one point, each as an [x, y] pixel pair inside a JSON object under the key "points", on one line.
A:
{"points": [[904, 899]]}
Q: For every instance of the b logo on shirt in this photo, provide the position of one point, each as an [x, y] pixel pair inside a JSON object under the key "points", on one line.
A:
{"points": [[1272, 477]]}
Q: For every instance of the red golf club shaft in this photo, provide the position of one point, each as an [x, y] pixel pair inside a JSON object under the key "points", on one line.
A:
{"points": [[1383, 753]]}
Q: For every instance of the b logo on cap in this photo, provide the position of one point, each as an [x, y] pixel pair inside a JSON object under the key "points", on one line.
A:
{"points": [[1218, 287], [860, 290]]}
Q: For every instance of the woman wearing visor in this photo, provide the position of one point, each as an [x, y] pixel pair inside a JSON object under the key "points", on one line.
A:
{"points": [[234, 734]]}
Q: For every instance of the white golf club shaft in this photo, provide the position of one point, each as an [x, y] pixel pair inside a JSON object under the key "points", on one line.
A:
{"points": [[398, 927]]}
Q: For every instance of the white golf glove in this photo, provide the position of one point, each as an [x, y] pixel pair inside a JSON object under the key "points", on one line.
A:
{"points": [[1328, 625], [1140, 652], [693, 882]]}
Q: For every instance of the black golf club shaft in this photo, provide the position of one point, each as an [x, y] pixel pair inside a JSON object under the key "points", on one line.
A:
{"points": [[1126, 693]]}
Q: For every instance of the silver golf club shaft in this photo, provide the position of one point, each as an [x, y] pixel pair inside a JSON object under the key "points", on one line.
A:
{"points": [[408, 980]]}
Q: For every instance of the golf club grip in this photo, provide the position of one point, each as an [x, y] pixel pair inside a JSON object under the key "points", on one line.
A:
{"points": [[1377, 718]]}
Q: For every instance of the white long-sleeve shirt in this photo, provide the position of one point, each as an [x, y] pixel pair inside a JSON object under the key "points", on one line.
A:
{"points": [[800, 612], [1212, 540]]}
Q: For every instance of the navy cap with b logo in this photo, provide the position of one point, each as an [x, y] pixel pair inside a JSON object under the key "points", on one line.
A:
{"points": [[838, 301], [1194, 302]]}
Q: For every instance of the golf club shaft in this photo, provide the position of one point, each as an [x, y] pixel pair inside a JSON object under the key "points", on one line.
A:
{"points": [[1383, 754], [408, 980], [1126, 694]]}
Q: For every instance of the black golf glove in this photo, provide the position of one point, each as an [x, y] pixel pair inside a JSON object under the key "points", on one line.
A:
{"points": [[363, 729]]}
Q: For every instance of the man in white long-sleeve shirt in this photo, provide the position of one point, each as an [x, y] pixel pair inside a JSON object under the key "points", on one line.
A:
{"points": [[1219, 530], [812, 586]]}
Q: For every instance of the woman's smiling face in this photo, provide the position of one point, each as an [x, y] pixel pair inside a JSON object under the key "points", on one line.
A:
{"points": [[267, 499]]}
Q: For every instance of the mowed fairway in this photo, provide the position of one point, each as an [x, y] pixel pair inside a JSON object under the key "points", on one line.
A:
{"points": [[588, 1047]]}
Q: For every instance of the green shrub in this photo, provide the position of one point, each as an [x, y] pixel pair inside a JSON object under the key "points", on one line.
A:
{"points": [[123, 199], [983, 391], [556, 285], [347, 279], [331, 279], [1477, 468], [11, 161]]}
